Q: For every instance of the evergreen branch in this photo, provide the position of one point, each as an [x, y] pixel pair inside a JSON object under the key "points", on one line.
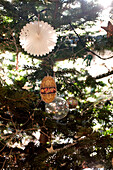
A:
{"points": [[9, 7], [68, 146], [88, 50], [38, 13], [99, 100], [30, 129], [104, 75], [65, 71], [52, 150]]}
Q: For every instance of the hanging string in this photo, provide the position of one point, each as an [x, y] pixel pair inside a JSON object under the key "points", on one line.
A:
{"points": [[38, 24], [38, 17]]}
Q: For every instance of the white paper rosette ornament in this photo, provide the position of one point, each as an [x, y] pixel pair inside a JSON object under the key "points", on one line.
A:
{"points": [[38, 38], [59, 107]]}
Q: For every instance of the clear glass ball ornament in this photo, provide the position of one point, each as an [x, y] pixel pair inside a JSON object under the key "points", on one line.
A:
{"points": [[59, 107]]}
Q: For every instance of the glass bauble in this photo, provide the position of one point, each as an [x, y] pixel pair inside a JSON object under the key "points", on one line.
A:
{"points": [[59, 107]]}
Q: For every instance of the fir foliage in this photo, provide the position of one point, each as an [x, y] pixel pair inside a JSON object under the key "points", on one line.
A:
{"points": [[22, 112]]}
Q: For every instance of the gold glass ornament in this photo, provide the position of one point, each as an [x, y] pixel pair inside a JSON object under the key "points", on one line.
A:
{"points": [[48, 89], [72, 102]]}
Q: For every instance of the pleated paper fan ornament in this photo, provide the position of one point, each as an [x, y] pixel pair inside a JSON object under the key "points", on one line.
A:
{"points": [[38, 38]]}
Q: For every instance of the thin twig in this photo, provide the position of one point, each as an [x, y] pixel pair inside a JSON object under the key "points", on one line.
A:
{"points": [[12, 119], [5, 160]]}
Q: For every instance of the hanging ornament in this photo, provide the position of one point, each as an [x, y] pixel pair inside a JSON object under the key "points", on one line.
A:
{"points": [[72, 102], [59, 107], [38, 38], [48, 89], [109, 29]]}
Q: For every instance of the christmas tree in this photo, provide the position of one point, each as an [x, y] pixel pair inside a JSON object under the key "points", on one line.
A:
{"points": [[63, 135]]}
